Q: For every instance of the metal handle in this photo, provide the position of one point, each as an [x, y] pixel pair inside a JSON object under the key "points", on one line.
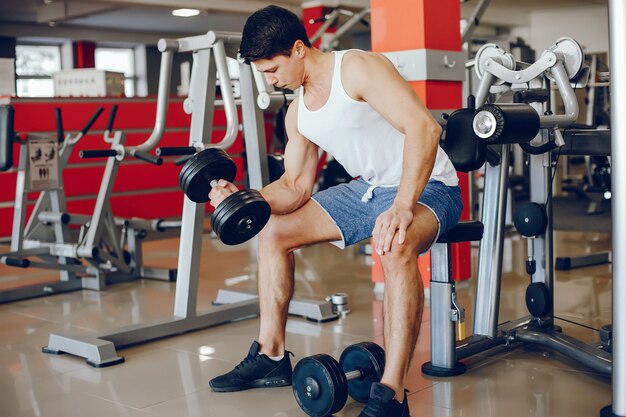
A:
{"points": [[59, 121], [97, 153], [144, 156], [167, 48], [92, 120], [175, 150], [112, 118], [230, 108]]}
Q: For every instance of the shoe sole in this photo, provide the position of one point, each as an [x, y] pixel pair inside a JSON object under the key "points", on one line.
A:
{"points": [[259, 383]]}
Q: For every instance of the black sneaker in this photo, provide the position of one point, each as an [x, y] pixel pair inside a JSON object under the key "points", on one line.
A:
{"points": [[255, 371], [382, 404]]}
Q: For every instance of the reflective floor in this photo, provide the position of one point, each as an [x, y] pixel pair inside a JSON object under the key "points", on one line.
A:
{"points": [[169, 377]]}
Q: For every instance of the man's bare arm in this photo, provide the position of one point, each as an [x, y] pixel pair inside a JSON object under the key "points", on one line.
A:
{"points": [[372, 78], [295, 186]]}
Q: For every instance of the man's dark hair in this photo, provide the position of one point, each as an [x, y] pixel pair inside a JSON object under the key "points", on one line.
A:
{"points": [[269, 32]]}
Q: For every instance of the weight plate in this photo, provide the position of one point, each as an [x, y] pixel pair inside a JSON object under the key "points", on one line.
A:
{"points": [[367, 357], [199, 158], [341, 386], [243, 220], [191, 163], [229, 202], [224, 207], [209, 164], [194, 185], [317, 387], [231, 210]]}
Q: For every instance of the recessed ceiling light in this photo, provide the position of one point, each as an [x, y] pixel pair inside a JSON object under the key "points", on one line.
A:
{"points": [[186, 12]]}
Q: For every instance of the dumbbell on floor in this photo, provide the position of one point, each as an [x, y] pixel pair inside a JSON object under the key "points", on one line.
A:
{"points": [[321, 384], [242, 214]]}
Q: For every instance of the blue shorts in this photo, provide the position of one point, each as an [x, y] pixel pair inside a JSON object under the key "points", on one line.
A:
{"points": [[355, 206]]}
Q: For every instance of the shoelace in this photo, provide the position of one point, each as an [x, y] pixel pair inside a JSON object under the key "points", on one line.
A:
{"points": [[247, 360]]}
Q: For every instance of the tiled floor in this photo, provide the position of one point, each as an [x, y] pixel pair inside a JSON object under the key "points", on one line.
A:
{"points": [[169, 377]]}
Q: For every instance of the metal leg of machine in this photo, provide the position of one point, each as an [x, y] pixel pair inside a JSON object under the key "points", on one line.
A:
{"points": [[617, 26]]}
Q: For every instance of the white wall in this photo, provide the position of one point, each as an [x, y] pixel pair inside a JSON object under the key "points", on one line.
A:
{"points": [[587, 25]]}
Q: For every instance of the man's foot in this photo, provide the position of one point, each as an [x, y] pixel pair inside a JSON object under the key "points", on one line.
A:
{"points": [[255, 371], [382, 404]]}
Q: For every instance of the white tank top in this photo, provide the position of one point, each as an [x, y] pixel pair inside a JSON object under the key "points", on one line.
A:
{"points": [[360, 139]]}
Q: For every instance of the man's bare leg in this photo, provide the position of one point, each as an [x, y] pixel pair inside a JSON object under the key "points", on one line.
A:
{"points": [[404, 298], [279, 238]]}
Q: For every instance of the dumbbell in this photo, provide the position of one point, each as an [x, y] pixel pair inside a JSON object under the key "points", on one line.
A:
{"points": [[242, 214], [321, 384]]}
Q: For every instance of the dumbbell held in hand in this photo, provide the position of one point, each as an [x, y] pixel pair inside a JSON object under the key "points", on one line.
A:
{"points": [[321, 384], [241, 215]]}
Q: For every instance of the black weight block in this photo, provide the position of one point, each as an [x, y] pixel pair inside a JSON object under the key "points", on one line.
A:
{"points": [[318, 386], [205, 166], [538, 299], [367, 357], [187, 167], [224, 208], [216, 165], [243, 219], [530, 219]]}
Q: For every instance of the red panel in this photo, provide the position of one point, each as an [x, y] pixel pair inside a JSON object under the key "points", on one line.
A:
{"points": [[81, 206], [136, 177], [39, 116], [7, 190], [82, 181], [153, 206], [6, 219]]}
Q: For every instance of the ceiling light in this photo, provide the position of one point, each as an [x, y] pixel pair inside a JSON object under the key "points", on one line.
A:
{"points": [[186, 12]]}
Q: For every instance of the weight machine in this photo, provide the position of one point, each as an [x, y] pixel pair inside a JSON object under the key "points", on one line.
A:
{"points": [[538, 132], [98, 256]]}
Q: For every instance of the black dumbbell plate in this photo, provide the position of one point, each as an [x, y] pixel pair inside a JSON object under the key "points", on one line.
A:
{"points": [[208, 165], [224, 208], [370, 359], [318, 387], [243, 218]]}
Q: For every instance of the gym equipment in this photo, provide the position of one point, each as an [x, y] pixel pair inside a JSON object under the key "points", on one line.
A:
{"points": [[496, 68], [242, 214], [617, 35], [331, 40], [107, 249], [209, 55], [505, 123], [321, 385]]}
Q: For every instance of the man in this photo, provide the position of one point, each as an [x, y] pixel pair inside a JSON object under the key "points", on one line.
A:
{"points": [[354, 105]]}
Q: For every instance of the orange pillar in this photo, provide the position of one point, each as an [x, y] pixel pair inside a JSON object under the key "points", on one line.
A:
{"points": [[399, 25]]}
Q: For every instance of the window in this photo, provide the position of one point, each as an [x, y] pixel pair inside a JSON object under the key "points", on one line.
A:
{"points": [[35, 65], [118, 60]]}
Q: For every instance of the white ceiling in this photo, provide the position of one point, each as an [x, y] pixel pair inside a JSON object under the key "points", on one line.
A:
{"points": [[149, 19]]}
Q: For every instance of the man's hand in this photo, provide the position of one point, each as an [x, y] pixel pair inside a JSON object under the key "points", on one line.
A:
{"points": [[395, 219], [222, 190]]}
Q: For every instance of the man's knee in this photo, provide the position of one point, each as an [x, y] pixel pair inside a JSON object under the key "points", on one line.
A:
{"points": [[405, 254], [272, 234]]}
